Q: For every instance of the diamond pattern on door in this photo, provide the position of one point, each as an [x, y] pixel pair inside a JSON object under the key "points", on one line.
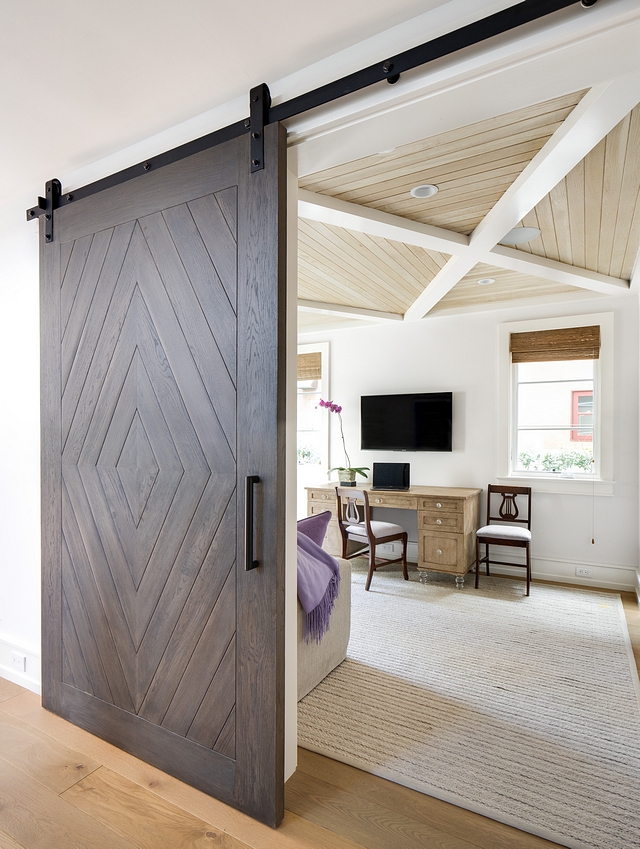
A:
{"points": [[149, 470]]}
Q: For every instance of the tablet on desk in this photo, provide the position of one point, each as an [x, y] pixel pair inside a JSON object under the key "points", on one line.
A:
{"points": [[391, 476]]}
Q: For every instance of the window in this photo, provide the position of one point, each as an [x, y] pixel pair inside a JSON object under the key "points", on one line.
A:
{"points": [[313, 422], [553, 417], [556, 405]]}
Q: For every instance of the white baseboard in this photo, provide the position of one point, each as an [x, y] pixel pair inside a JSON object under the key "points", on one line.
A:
{"points": [[30, 678], [605, 575]]}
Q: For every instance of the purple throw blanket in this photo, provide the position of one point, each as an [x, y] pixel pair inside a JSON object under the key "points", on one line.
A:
{"points": [[318, 586]]}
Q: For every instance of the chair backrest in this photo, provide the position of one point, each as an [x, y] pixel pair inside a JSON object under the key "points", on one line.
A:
{"points": [[349, 499], [503, 506]]}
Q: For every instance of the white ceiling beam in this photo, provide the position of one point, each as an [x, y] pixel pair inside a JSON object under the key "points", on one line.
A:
{"points": [[559, 272], [598, 112], [373, 222], [450, 274], [593, 118], [347, 312]]}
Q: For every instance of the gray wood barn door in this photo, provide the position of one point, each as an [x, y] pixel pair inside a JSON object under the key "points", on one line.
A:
{"points": [[162, 383]]}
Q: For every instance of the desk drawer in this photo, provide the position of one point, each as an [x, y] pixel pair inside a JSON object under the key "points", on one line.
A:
{"points": [[443, 521], [441, 552], [315, 507], [440, 505], [389, 499], [321, 495]]}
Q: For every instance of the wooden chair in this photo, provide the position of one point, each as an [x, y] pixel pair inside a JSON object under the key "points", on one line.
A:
{"points": [[508, 532], [355, 523]]}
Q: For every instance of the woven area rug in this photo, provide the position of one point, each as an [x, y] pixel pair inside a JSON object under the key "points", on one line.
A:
{"points": [[524, 710]]}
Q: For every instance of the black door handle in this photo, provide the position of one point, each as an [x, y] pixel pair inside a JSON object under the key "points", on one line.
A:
{"points": [[249, 562]]}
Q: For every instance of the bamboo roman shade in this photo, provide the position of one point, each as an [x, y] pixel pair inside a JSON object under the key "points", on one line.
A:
{"points": [[567, 343], [310, 366]]}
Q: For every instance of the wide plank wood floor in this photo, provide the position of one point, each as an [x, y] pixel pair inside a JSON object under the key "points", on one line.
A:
{"points": [[62, 788]]}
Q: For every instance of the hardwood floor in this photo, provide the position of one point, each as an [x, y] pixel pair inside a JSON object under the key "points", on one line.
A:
{"points": [[61, 787]]}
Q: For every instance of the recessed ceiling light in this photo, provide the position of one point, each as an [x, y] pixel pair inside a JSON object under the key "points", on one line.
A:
{"points": [[520, 236], [426, 191], [486, 281]]}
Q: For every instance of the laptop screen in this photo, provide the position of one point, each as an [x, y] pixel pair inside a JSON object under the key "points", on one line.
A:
{"points": [[391, 475]]}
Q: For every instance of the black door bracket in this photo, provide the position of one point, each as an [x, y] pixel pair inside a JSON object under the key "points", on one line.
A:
{"points": [[46, 206], [259, 105]]}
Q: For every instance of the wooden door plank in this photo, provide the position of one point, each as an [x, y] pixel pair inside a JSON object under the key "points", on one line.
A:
{"points": [[73, 274], [448, 818], [217, 704], [227, 200], [75, 670], [85, 290], [40, 756], [204, 569], [57, 823], [89, 649], [219, 234], [207, 655], [143, 818], [201, 305], [97, 589], [262, 303], [293, 833], [370, 823], [203, 173]]}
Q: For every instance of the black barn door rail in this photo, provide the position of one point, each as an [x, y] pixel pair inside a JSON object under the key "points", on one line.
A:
{"points": [[262, 113]]}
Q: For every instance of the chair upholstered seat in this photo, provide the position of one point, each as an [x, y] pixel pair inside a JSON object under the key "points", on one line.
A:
{"points": [[502, 532], [379, 529]]}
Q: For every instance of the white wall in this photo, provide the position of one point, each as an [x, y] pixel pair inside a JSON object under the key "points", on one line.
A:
{"points": [[460, 354], [19, 446]]}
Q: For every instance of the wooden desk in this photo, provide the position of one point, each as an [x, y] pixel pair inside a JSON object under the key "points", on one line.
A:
{"points": [[448, 517]]}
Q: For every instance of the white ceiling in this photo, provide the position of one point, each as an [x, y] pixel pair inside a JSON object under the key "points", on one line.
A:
{"points": [[82, 79]]}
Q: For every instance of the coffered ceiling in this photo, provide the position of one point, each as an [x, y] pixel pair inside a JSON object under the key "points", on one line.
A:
{"points": [[569, 166]]}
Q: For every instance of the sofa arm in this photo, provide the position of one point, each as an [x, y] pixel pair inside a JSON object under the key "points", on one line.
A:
{"points": [[316, 660]]}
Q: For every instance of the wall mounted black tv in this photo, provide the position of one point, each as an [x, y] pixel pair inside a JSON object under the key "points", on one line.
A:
{"points": [[417, 422]]}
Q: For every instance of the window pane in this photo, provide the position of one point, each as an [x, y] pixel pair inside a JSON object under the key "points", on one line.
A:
{"points": [[310, 415], [549, 404], [310, 448], [562, 370], [552, 451]]}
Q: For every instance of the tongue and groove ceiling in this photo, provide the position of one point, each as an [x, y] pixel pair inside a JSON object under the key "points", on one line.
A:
{"points": [[570, 164]]}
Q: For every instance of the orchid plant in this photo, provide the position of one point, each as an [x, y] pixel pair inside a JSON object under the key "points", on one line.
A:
{"points": [[352, 470]]}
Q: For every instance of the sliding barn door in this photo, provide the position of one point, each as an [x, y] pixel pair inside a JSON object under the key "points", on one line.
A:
{"points": [[163, 392]]}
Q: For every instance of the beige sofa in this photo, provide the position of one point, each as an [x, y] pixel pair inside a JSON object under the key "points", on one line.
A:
{"points": [[316, 660]]}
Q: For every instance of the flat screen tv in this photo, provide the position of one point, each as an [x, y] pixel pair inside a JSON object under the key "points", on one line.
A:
{"points": [[418, 422]]}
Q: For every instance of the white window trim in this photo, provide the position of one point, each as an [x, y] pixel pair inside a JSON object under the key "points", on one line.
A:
{"points": [[603, 484], [323, 349]]}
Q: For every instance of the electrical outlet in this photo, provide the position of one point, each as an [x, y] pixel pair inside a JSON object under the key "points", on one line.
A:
{"points": [[18, 661], [584, 572], [387, 547]]}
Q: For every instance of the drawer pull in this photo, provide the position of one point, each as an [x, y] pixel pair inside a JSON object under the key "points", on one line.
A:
{"points": [[438, 521], [439, 551], [325, 496], [438, 504], [377, 500]]}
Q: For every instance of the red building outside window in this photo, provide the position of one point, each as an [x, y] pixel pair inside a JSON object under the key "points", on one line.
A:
{"points": [[582, 415]]}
